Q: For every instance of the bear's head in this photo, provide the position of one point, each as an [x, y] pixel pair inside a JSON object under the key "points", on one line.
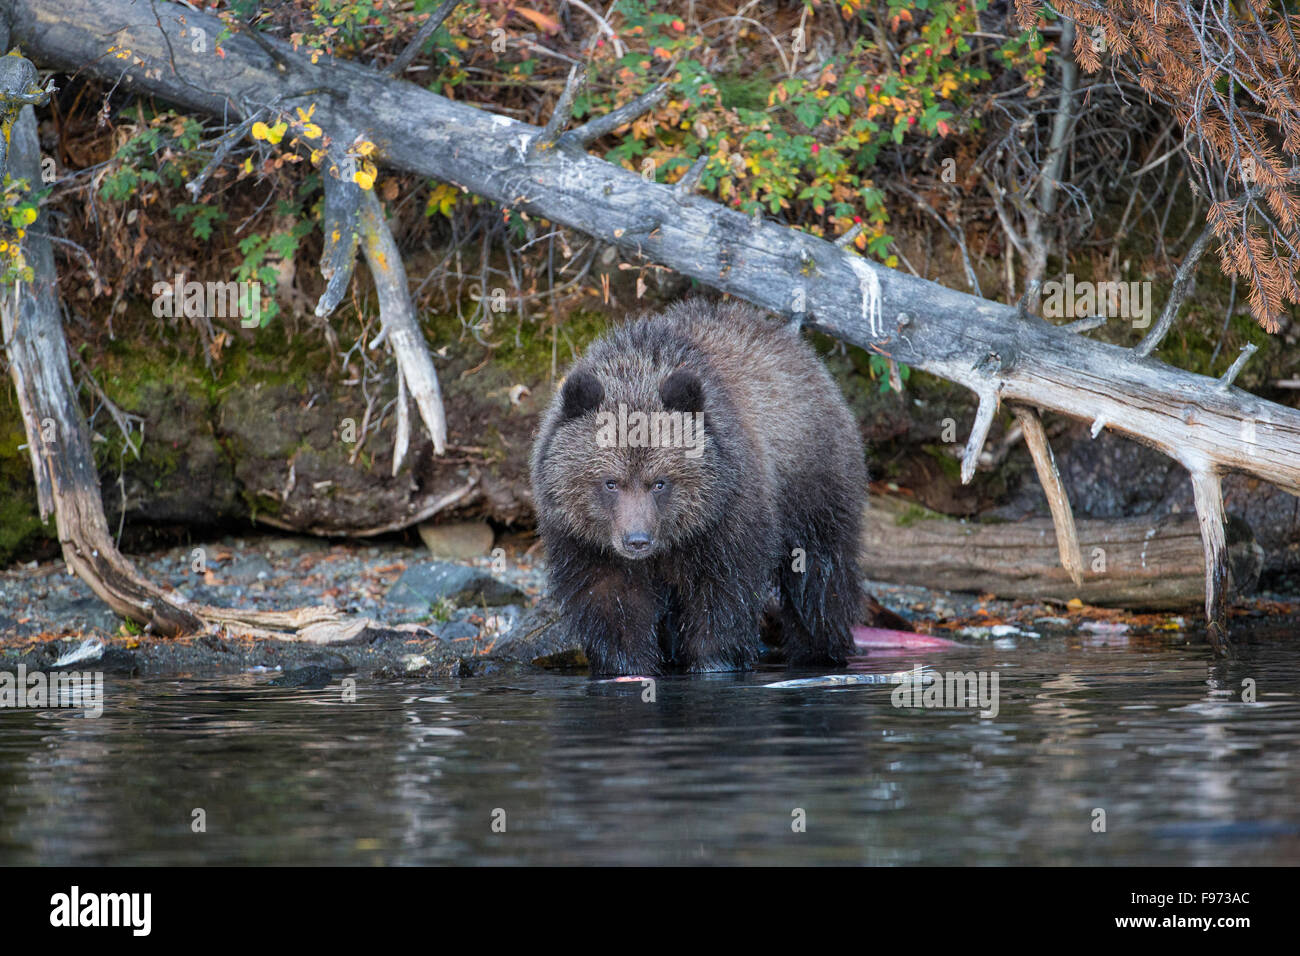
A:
{"points": [[633, 471]]}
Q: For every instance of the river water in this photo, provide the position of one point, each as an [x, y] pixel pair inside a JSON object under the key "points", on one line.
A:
{"points": [[1151, 740]]}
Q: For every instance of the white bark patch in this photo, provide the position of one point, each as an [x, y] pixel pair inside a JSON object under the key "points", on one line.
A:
{"points": [[869, 290]]}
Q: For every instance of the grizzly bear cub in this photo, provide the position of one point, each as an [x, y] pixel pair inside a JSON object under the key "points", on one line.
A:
{"points": [[691, 461]]}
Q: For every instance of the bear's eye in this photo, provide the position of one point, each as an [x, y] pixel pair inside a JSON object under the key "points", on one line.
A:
{"points": [[659, 485], [611, 485]]}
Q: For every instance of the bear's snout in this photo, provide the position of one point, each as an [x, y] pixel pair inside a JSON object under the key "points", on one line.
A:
{"points": [[637, 542], [635, 519]]}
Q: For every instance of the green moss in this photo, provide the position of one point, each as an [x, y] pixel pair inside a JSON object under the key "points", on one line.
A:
{"points": [[21, 528], [521, 351], [949, 465], [274, 359], [914, 513]]}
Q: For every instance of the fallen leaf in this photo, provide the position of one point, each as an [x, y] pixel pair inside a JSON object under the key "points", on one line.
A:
{"points": [[540, 20]]}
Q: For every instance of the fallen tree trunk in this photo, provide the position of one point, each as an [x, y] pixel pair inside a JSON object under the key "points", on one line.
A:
{"points": [[990, 348], [1136, 563], [58, 442]]}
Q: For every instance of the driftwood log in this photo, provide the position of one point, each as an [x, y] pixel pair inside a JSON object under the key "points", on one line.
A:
{"points": [[998, 351], [58, 440], [1151, 564], [58, 444]]}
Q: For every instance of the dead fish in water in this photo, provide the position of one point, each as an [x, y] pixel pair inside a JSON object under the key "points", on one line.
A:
{"points": [[626, 679], [89, 650], [878, 638], [833, 680], [850, 680], [1105, 627]]}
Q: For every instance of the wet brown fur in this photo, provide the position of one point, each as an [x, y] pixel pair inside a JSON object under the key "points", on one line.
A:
{"points": [[782, 469]]}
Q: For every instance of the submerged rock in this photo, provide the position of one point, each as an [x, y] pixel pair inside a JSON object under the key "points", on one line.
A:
{"points": [[313, 676]]}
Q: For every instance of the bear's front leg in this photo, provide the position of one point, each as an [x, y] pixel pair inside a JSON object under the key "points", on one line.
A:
{"points": [[718, 626], [612, 609]]}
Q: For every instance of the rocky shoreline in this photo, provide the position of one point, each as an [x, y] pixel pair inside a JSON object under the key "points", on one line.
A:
{"points": [[418, 616]]}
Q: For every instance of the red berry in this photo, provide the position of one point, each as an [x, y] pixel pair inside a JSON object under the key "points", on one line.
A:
{"points": [[816, 148], [876, 88]]}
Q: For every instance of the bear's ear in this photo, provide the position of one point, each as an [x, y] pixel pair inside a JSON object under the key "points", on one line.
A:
{"points": [[582, 392], [682, 392]]}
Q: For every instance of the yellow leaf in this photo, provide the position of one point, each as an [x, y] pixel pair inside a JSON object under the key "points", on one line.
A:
{"points": [[272, 134], [442, 200], [365, 176]]}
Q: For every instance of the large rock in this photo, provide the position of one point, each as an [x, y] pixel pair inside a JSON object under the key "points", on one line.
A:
{"points": [[423, 585], [535, 639], [457, 541]]}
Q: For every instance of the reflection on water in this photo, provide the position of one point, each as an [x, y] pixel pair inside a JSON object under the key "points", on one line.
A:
{"points": [[714, 770]]}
